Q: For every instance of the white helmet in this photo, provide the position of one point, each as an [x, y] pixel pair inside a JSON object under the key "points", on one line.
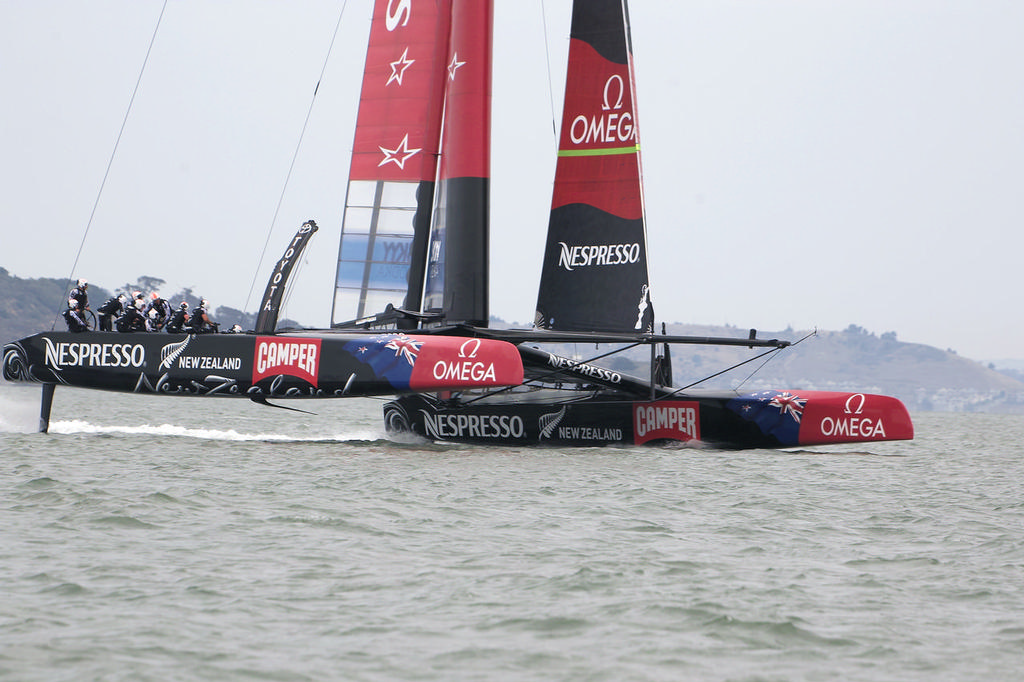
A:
{"points": [[184, 305], [122, 298], [203, 303], [140, 303], [82, 284]]}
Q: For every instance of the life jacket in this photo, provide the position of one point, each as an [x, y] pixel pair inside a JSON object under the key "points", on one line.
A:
{"points": [[111, 307], [75, 321], [160, 306], [177, 321], [80, 296], [196, 321], [131, 321]]}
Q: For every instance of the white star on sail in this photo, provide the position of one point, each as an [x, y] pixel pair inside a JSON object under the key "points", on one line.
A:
{"points": [[398, 156], [398, 68], [453, 67]]}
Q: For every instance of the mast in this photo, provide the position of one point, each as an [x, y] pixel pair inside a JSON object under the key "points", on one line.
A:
{"points": [[594, 275], [458, 258]]}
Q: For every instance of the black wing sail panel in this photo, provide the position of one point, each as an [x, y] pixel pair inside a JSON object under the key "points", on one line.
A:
{"points": [[594, 276]]}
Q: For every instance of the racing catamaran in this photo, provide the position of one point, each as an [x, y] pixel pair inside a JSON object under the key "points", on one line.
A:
{"points": [[410, 314]]}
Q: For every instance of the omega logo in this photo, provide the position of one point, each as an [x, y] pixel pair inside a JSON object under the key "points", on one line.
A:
{"points": [[617, 79], [473, 344], [613, 126]]}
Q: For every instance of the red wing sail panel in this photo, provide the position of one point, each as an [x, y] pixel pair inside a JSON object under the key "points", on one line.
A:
{"points": [[394, 160], [594, 276]]}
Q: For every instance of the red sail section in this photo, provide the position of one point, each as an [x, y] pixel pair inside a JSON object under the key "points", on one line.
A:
{"points": [[383, 250], [598, 157], [399, 121], [457, 277], [467, 116]]}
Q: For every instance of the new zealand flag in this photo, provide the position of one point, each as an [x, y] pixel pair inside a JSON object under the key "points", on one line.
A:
{"points": [[776, 413], [389, 356]]}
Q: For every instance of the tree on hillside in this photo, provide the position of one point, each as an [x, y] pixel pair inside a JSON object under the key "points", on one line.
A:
{"points": [[145, 284]]}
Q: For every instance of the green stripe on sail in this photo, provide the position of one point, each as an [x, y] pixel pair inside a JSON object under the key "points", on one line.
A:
{"points": [[599, 152]]}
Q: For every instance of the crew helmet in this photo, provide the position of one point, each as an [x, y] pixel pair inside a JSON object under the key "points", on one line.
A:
{"points": [[82, 284], [184, 305], [122, 299]]}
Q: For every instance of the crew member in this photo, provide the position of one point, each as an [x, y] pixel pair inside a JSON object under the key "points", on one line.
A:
{"points": [[74, 317], [78, 303], [114, 307], [157, 312], [178, 320], [80, 294], [133, 320], [200, 321]]}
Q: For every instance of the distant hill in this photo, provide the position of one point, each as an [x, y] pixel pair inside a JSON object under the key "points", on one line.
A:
{"points": [[924, 377], [28, 306]]}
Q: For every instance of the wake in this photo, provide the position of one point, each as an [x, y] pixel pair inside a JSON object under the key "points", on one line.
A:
{"points": [[76, 426]]}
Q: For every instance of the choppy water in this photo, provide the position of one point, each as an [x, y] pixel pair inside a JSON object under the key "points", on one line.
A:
{"points": [[153, 538]]}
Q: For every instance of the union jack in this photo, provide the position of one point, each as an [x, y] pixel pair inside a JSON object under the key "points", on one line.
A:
{"points": [[405, 347], [789, 404]]}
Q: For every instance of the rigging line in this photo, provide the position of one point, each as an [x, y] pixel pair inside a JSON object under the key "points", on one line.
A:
{"points": [[547, 58], [772, 357], [740, 364], [295, 155], [113, 153], [288, 291], [712, 376]]}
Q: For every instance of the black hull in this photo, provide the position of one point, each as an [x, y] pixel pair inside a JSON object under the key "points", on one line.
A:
{"points": [[766, 419], [593, 421], [313, 364]]}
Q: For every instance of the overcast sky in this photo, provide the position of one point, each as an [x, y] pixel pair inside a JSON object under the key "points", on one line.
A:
{"points": [[808, 163]]}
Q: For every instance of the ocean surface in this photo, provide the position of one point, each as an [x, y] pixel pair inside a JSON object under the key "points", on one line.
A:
{"points": [[160, 538]]}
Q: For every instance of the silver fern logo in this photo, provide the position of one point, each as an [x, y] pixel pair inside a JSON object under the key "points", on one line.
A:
{"points": [[549, 422], [171, 352]]}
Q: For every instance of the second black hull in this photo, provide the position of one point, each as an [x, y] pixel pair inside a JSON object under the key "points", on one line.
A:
{"points": [[766, 419]]}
